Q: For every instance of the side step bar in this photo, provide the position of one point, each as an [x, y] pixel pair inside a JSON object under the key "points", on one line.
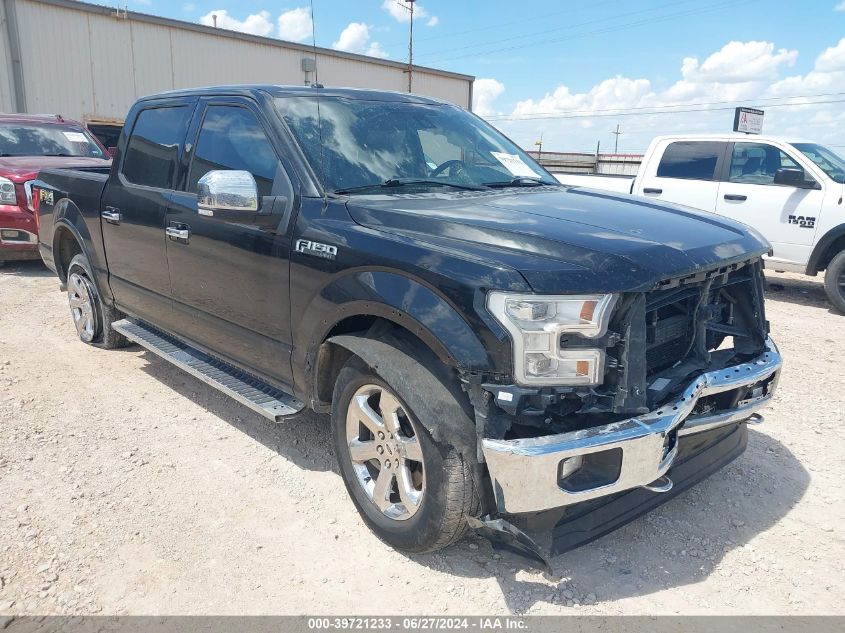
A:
{"points": [[246, 389]]}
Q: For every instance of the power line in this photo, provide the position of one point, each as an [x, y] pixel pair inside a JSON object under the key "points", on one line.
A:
{"points": [[543, 115], [650, 21], [566, 27], [510, 23], [658, 112]]}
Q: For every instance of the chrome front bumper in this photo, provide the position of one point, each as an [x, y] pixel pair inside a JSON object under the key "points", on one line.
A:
{"points": [[637, 452]]}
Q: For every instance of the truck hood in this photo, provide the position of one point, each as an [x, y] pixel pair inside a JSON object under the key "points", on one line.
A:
{"points": [[20, 168], [566, 239]]}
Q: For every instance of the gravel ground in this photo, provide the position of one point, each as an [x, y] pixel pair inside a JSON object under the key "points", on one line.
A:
{"points": [[128, 487]]}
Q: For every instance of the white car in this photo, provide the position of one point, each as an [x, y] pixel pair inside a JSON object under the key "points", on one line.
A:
{"points": [[791, 191]]}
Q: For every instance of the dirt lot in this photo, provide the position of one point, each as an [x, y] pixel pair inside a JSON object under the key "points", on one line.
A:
{"points": [[127, 486]]}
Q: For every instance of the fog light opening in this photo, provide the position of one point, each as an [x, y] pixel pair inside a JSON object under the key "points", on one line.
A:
{"points": [[593, 470]]}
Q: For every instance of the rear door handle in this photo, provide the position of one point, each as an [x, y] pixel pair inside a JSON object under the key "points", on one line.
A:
{"points": [[111, 215], [735, 196], [178, 233], [652, 190]]}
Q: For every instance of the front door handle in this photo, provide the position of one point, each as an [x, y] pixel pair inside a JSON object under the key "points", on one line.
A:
{"points": [[736, 197], [652, 190], [111, 215], [179, 234]]}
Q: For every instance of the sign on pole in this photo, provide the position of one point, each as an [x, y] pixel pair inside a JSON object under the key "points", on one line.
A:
{"points": [[748, 120]]}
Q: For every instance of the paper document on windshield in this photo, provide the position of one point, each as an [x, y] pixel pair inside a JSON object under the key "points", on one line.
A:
{"points": [[514, 164], [76, 137]]}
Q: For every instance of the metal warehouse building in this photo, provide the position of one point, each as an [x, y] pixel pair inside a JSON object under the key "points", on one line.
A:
{"points": [[90, 62]]}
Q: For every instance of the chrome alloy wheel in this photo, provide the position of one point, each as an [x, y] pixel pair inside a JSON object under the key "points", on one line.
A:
{"points": [[80, 294], [386, 452]]}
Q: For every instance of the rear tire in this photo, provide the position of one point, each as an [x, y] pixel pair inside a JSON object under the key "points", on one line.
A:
{"points": [[91, 317], [431, 489], [834, 282]]}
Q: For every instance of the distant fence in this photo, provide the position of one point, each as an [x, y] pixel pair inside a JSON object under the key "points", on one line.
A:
{"points": [[581, 163]]}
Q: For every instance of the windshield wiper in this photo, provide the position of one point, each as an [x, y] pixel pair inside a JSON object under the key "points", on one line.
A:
{"points": [[394, 183], [522, 181]]}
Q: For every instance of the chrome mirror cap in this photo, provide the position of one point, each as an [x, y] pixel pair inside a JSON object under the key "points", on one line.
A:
{"points": [[227, 190]]}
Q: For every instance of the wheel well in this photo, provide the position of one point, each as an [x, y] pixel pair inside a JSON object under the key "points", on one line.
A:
{"points": [[830, 252], [331, 358], [65, 249]]}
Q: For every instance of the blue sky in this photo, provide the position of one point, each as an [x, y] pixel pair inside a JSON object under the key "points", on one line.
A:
{"points": [[555, 56]]}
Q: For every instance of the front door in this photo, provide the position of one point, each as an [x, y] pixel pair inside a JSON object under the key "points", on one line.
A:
{"points": [[134, 205], [785, 215], [230, 275]]}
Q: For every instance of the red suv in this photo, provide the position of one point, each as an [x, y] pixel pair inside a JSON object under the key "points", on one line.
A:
{"points": [[29, 143]]}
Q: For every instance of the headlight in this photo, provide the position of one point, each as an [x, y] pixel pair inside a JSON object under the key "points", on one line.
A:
{"points": [[536, 323], [7, 192]]}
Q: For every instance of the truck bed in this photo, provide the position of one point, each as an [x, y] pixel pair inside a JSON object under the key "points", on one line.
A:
{"points": [[608, 182], [84, 187]]}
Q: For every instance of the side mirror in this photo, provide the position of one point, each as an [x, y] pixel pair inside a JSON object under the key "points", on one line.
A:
{"points": [[227, 190], [791, 176]]}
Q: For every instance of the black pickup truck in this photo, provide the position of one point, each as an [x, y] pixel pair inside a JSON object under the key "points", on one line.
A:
{"points": [[497, 351]]}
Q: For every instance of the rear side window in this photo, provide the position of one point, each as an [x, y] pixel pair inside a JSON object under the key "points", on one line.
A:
{"points": [[153, 147], [690, 160]]}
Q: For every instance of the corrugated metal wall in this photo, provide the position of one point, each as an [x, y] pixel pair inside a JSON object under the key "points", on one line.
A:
{"points": [[86, 63], [7, 101]]}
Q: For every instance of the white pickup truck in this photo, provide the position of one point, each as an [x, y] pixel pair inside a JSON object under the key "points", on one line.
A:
{"points": [[790, 191]]}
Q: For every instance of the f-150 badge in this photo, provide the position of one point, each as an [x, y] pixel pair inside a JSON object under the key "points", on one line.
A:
{"points": [[325, 251]]}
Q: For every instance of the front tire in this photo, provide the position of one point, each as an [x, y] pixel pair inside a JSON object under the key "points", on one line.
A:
{"points": [[414, 493], [834, 282], [91, 317]]}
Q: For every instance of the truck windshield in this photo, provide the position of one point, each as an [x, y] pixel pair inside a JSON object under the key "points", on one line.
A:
{"points": [[50, 139], [360, 145], [828, 161]]}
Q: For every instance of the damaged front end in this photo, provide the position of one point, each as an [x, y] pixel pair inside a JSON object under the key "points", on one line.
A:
{"points": [[684, 366]]}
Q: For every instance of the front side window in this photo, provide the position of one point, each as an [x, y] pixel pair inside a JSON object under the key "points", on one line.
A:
{"points": [[829, 162], [231, 137], [757, 163], [358, 144], [153, 147], [47, 139], [690, 160]]}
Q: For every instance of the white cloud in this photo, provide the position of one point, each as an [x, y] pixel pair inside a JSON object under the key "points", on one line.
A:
{"points": [[832, 59], [256, 24], [295, 25], [840, 6], [739, 62], [400, 10], [484, 92], [355, 38], [748, 73]]}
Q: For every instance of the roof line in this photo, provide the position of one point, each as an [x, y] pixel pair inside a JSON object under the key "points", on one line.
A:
{"points": [[237, 35]]}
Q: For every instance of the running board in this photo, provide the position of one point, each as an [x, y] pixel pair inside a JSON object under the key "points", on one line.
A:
{"points": [[238, 385]]}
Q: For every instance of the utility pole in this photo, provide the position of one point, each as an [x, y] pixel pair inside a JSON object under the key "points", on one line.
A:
{"points": [[539, 145], [410, 4], [598, 152], [617, 133]]}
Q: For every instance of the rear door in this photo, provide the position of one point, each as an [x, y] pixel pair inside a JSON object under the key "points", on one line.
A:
{"points": [[134, 204], [785, 215], [230, 277], [687, 173]]}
